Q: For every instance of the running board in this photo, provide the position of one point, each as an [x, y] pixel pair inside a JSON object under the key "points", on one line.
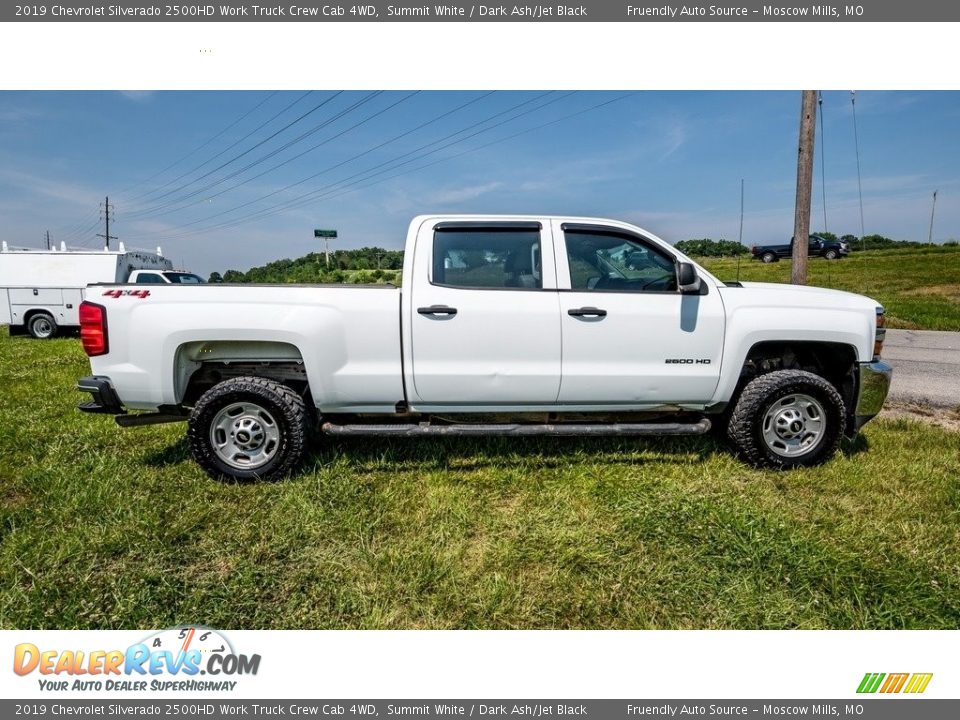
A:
{"points": [[583, 430]]}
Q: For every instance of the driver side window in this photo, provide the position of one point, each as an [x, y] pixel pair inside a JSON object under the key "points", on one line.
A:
{"points": [[611, 261]]}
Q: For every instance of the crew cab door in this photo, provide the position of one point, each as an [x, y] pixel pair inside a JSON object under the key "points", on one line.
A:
{"points": [[630, 337], [484, 315]]}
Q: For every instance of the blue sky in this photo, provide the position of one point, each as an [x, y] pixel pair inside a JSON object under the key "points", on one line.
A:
{"points": [[180, 174]]}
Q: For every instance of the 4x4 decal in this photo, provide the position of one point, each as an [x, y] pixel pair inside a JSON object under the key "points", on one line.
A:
{"points": [[142, 294]]}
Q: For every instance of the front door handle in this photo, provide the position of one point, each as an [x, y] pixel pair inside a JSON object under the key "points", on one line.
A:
{"points": [[587, 312], [437, 310]]}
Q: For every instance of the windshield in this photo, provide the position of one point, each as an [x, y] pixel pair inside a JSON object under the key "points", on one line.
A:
{"points": [[183, 278]]}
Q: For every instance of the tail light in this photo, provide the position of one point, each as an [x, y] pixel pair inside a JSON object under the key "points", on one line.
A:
{"points": [[881, 333], [93, 329]]}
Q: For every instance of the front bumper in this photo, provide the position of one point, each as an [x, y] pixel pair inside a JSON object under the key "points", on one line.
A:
{"points": [[104, 397], [872, 388]]}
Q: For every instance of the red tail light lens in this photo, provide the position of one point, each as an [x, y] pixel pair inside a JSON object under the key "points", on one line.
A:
{"points": [[93, 329]]}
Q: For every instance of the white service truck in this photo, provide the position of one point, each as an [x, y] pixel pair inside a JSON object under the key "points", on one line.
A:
{"points": [[41, 290], [504, 325]]}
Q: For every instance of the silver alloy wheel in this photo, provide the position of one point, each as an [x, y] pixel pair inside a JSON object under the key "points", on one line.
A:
{"points": [[793, 425], [42, 327], [244, 435]]}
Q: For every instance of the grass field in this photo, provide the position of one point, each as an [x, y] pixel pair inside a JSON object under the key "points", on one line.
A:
{"points": [[920, 288], [104, 528]]}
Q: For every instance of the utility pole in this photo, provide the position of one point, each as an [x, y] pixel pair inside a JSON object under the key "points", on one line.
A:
{"points": [[48, 239], [932, 211], [107, 209], [801, 217]]}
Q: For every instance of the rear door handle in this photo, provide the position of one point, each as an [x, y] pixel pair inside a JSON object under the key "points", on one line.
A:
{"points": [[437, 310], [587, 312]]}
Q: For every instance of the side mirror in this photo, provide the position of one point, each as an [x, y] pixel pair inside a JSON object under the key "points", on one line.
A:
{"points": [[687, 279]]}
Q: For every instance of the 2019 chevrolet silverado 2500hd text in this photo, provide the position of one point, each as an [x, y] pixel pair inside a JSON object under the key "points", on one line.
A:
{"points": [[506, 325]]}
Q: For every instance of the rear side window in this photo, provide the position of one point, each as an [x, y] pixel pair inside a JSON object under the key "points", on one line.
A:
{"points": [[487, 258]]}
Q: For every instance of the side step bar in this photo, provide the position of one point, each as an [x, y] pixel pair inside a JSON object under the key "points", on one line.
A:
{"points": [[565, 430]]}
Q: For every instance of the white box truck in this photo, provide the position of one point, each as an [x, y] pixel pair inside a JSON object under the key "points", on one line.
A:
{"points": [[41, 290]]}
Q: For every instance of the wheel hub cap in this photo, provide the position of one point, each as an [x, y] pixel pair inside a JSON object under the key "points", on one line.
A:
{"points": [[244, 435], [793, 425]]}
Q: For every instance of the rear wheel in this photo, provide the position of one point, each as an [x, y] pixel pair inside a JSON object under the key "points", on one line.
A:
{"points": [[786, 419], [42, 326], [768, 257], [248, 428]]}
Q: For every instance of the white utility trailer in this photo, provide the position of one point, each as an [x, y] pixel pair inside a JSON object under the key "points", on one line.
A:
{"points": [[41, 290]]}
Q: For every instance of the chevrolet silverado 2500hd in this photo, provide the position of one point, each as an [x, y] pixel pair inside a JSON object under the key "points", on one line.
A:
{"points": [[509, 325]]}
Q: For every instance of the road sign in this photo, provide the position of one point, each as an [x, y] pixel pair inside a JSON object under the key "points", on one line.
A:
{"points": [[324, 233]]}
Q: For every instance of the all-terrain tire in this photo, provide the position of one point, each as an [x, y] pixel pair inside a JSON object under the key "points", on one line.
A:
{"points": [[768, 257], [42, 326], [772, 402], [261, 406], [831, 255]]}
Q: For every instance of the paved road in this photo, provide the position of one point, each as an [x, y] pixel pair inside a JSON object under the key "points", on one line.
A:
{"points": [[926, 366]]}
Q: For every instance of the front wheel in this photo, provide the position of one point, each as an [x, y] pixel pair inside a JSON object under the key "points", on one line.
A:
{"points": [[831, 255], [787, 419], [248, 428]]}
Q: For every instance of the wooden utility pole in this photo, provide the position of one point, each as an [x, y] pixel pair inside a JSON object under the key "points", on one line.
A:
{"points": [[801, 217]]}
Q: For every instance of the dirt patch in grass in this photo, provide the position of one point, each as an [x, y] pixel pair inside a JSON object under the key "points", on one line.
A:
{"points": [[941, 417], [949, 292]]}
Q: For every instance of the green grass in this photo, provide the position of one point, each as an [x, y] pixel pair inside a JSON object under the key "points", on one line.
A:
{"points": [[106, 528], [920, 288]]}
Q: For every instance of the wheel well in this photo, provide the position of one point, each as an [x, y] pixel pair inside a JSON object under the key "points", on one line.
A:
{"points": [[834, 362], [201, 365], [289, 373], [29, 314]]}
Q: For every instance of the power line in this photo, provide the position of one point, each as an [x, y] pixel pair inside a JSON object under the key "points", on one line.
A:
{"points": [[856, 144], [237, 157], [202, 145], [336, 192], [369, 172], [309, 150], [823, 165], [339, 164], [161, 211], [225, 150]]}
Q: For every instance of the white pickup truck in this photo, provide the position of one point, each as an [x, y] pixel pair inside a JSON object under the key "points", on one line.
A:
{"points": [[504, 325]]}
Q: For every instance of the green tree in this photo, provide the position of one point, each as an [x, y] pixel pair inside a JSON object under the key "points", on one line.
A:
{"points": [[215, 277]]}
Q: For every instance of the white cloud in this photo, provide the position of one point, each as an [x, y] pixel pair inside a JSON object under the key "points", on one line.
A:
{"points": [[138, 95], [463, 194]]}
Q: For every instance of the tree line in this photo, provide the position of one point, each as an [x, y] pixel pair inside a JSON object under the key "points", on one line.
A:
{"points": [[707, 247], [363, 265]]}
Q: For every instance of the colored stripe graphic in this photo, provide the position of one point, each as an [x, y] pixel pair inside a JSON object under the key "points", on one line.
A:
{"points": [[894, 682], [918, 682], [870, 682]]}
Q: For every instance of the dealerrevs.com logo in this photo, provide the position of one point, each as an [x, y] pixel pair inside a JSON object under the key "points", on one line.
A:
{"points": [[179, 659]]}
